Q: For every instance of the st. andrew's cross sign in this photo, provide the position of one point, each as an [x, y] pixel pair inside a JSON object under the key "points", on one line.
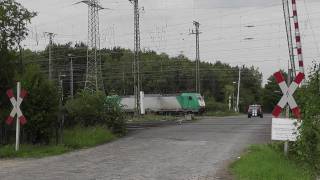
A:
{"points": [[288, 92]]}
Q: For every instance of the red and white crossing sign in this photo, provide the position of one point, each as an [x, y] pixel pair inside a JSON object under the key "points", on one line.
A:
{"points": [[288, 92], [16, 102], [16, 106]]}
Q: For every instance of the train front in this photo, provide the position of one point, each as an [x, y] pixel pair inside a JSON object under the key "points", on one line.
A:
{"points": [[202, 104]]}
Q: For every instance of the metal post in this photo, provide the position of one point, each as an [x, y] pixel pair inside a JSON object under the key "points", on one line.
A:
{"points": [[238, 95], [288, 82], [233, 97], [71, 76], [61, 113], [229, 103], [286, 12], [50, 35], [197, 33], [286, 143], [286, 147], [17, 121], [50, 58]]}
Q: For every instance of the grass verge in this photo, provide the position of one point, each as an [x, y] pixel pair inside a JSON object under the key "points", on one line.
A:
{"points": [[80, 137], [32, 151], [76, 138], [262, 162]]}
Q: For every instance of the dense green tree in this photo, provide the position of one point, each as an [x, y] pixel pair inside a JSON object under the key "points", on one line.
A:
{"points": [[307, 148], [161, 74], [40, 107], [13, 23], [13, 29]]}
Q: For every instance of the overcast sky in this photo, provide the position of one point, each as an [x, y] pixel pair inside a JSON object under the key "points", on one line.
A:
{"points": [[165, 27]]}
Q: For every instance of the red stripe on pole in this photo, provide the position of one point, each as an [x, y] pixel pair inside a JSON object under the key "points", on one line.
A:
{"points": [[295, 13], [298, 39], [23, 93], [277, 111], [279, 77], [9, 120], [296, 25], [293, 1], [10, 93], [299, 51], [299, 78], [297, 113], [22, 120], [300, 63]]}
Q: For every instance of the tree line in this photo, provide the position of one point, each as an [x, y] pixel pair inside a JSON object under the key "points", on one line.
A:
{"points": [[160, 73]]}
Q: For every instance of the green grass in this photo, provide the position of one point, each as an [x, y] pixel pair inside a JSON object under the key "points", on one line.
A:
{"points": [[32, 151], [152, 118], [76, 138], [80, 137], [262, 162]]}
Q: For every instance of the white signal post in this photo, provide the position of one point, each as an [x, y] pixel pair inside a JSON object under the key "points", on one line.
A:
{"points": [[17, 121], [16, 111]]}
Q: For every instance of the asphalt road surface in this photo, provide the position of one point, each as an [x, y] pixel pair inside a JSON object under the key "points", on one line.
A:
{"points": [[189, 151]]}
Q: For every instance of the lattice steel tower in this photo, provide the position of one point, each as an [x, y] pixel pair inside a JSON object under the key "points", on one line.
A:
{"points": [[136, 59], [94, 81]]}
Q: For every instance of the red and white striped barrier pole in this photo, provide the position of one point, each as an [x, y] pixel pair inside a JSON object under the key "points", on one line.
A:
{"points": [[17, 111], [288, 92], [297, 36]]}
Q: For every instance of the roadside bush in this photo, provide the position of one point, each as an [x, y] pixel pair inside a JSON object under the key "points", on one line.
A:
{"points": [[40, 107], [87, 108], [213, 106], [91, 109], [307, 148], [114, 115]]}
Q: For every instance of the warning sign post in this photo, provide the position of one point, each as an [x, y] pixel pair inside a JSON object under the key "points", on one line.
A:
{"points": [[16, 111], [287, 97]]}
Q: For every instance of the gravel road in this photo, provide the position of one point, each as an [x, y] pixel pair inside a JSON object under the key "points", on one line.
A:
{"points": [[189, 151]]}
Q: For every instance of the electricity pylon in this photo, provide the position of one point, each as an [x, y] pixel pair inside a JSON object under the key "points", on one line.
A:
{"points": [[94, 81], [136, 60]]}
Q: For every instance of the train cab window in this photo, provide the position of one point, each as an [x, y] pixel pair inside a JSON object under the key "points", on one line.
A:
{"points": [[190, 98]]}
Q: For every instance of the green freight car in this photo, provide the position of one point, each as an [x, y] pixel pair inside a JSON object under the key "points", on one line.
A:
{"points": [[161, 104]]}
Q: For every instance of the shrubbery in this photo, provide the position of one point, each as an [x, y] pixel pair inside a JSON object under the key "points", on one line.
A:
{"points": [[89, 109], [213, 106], [114, 115], [40, 107], [307, 148]]}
